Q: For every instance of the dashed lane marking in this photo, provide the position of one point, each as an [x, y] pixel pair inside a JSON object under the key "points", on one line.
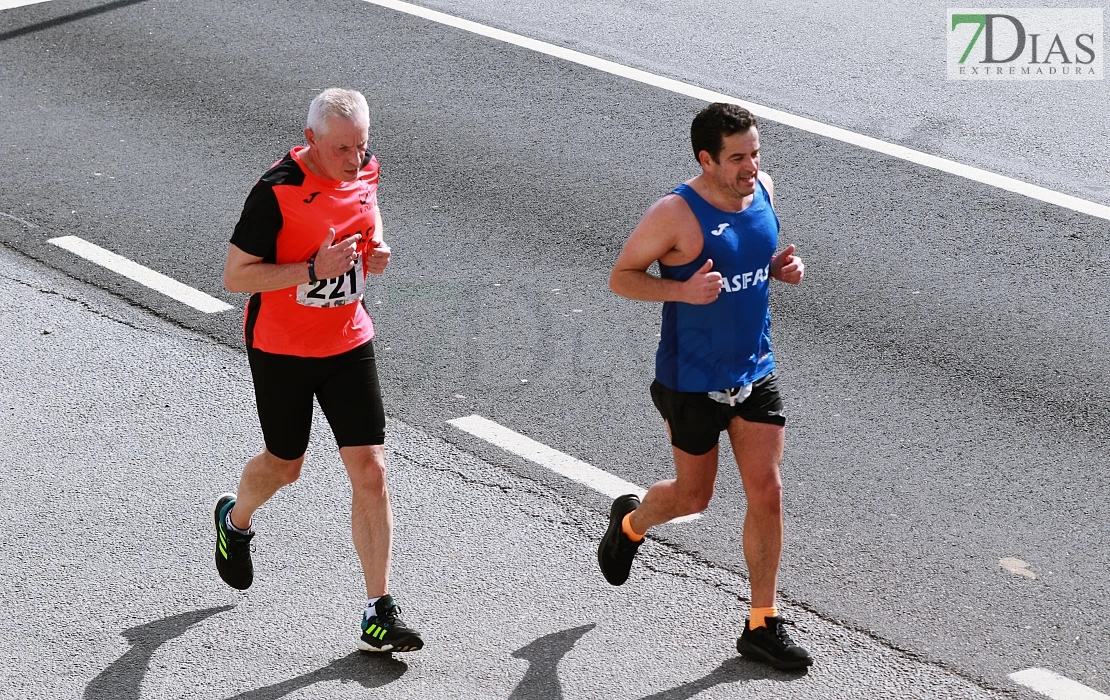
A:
{"points": [[143, 275], [558, 462], [1055, 686], [815, 127], [1043, 681]]}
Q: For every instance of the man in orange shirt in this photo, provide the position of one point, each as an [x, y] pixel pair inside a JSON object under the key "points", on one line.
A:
{"points": [[309, 234]]}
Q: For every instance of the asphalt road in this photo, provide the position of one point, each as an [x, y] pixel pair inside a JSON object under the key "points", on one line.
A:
{"points": [[877, 70], [123, 429], [943, 362]]}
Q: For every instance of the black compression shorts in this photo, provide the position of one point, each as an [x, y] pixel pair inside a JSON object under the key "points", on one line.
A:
{"points": [[696, 421], [346, 385]]}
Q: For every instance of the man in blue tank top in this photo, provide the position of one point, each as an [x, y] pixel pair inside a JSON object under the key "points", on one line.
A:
{"points": [[715, 238]]}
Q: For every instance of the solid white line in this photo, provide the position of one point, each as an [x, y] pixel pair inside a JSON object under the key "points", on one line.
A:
{"points": [[9, 4], [556, 461], [1055, 686], [1009, 184], [143, 275]]}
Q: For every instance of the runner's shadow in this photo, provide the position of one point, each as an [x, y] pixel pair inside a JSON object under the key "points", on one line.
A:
{"points": [[541, 681], [731, 670], [368, 669], [124, 678]]}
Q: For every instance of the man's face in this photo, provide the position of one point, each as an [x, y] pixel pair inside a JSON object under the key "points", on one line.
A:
{"points": [[339, 147], [737, 166]]}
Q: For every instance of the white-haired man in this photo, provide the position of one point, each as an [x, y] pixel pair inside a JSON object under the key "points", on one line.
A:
{"points": [[309, 233]]}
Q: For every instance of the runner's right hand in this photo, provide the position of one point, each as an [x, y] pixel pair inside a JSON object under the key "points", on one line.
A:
{"points": [[704, 286], [335, 260]]}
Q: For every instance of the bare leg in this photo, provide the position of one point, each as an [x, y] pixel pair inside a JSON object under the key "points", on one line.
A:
{"points": [[758, 448], [686, 494], [261, 479], [371, 514]]}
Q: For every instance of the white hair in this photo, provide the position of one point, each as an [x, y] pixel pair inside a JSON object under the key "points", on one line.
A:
{"points": [[336, 102]]}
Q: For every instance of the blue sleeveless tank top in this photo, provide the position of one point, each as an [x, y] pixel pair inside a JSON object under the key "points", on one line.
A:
{"points": [[727, 343]]}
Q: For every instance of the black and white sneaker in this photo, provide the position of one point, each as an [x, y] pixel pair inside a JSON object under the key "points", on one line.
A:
{"points": [[615, 553], [773, 646], [384, 631], [233, 549]]}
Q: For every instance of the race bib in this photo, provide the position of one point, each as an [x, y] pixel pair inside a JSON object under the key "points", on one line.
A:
{"points": [[337, 291]]}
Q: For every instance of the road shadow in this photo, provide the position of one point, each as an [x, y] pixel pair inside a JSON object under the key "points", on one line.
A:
{"points": [[731, 670], [541, 681], [65, 19], [123, 679], [368, 669]]}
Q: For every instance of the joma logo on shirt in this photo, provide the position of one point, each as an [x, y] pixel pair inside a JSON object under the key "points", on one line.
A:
{"points": [[745, 280]]}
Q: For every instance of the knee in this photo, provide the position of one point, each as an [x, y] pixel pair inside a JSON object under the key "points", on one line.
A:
{"points": [[766, 495], [368, 476], [285, 470]]}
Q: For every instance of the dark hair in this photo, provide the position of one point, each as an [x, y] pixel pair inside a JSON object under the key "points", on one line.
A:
{"points": [[714, 123]]}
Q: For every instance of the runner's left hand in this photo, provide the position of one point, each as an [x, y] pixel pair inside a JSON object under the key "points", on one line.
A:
{"points": [[377, 258], [787, 267]]}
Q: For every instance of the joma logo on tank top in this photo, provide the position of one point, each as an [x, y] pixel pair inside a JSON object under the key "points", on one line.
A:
{"points": [[709, 347]]}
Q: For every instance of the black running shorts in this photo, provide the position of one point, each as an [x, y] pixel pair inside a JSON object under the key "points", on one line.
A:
{"points": [[346, 385], [696, 421]]}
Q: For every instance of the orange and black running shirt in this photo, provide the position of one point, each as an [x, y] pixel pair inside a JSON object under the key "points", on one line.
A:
{"points": [[285, 219]]}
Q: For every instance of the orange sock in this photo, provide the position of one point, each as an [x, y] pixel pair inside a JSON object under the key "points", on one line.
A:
{"points": [[759, 616], [628, 531]]}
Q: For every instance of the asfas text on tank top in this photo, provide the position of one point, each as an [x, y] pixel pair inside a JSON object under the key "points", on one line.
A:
{"points": [[727, 343]]}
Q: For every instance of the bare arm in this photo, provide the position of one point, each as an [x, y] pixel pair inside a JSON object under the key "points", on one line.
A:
{"points": [[656, 236], [244, 272]]}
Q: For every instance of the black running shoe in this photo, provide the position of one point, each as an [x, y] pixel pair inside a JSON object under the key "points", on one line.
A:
{"points": [[615, 553], [233, 550], [384, 631], [773, 646]]}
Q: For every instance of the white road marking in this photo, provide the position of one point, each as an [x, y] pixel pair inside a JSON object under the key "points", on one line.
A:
{"points": [[143, 275], [558, 462], [1009, 184], [9, 4], [1055, 686]]}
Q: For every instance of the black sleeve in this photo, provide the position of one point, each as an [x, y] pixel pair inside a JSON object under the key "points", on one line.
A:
{"points": [[257, 230]]}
